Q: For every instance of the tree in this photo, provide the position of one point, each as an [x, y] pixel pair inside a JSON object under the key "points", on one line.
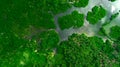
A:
{"points": [[74, 20], [78, 48], [97, 13], [114, 16], [114, 32], [49, 39], [81, 3]]}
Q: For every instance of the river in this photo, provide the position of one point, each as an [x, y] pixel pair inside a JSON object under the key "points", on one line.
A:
{"points": [[88, 29]]}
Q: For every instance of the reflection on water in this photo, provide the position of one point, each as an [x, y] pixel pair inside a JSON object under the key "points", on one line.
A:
{"points": [[88, 29]]}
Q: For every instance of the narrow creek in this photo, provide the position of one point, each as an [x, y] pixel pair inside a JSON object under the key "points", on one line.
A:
{"points": [[88, 29]]}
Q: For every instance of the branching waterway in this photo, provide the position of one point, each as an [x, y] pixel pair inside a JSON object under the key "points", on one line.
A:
{"points": [[88, 29]]}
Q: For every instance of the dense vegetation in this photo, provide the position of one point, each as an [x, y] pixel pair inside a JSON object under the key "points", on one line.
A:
{"points": [[49, 39], [97, 13], [115, 32], [16, 51], [28, 36], [83, 51], [74, 20], [72, 52], [19, 15], [81, 3], [115, 37]]}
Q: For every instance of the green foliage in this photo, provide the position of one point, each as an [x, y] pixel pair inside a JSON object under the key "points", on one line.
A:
{"points": [[102, 32], [17, 51], [108, 50], [115, 32], [97, 13], [49, 39], [78, 48], [70, 53], [42, 49], [112, 0], [117, 45], [81, 3], [75, 20], [116, 53], [16, 16], [114, 16], [56, 6], [97, 43]]}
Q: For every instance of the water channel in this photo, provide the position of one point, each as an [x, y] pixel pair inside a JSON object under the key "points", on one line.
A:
{"points": [[88, 29]]}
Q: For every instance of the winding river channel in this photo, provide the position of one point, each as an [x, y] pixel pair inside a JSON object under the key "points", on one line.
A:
{"points": [[88, 29]]}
